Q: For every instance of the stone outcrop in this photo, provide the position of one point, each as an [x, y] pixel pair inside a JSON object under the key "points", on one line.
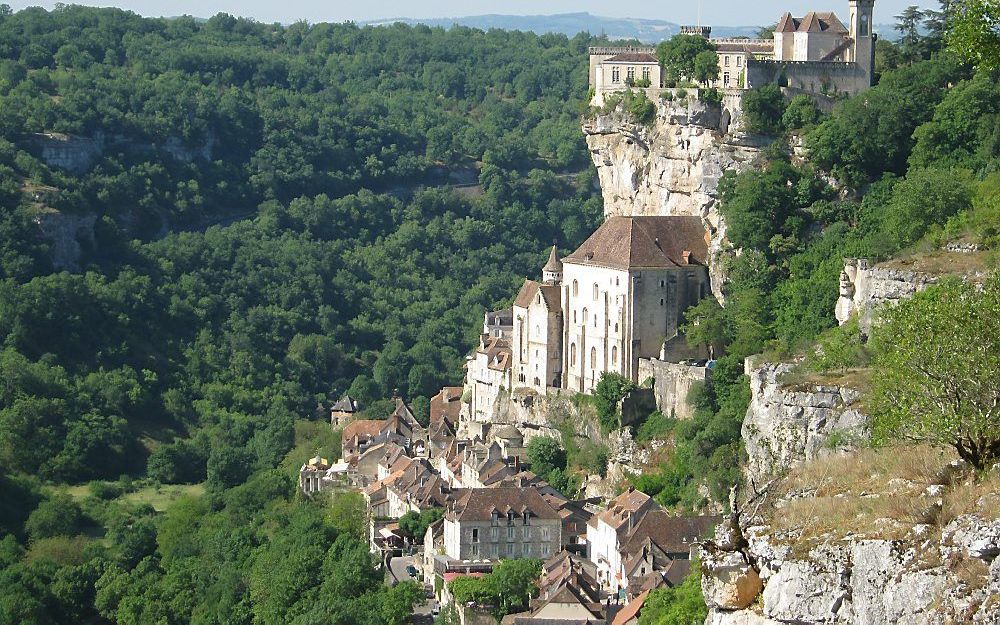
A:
{"points": [[865, 286], [930, 576], [65, 233], [785, 425], [671, 384], [671, 167], [77, 154]]}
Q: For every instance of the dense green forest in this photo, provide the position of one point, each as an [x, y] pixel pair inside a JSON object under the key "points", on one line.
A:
{"points": [[185, 353]]}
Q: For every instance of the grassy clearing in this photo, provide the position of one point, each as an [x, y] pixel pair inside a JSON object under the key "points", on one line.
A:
{"points": [[942, 262], [159, 496], [873, 492]]}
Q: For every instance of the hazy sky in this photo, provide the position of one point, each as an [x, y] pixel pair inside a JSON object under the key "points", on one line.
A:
{"points": [[720, 12]]}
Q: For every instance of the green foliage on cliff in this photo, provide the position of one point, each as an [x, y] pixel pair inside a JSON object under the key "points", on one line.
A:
{"points": [[937, 356], [679, 605]]}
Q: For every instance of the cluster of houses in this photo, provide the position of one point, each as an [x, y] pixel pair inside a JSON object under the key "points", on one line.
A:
{"points": [[600, 560]]}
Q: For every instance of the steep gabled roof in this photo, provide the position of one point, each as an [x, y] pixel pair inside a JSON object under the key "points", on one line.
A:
{"points": [[812, 22], [631, 610], [644, 242], [551, 294], [478, 504]]}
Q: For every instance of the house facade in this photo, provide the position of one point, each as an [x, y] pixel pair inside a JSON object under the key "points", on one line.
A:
{"points": [[505, 522]]}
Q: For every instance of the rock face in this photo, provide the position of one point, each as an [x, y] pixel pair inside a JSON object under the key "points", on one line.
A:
{"points": [[922, 579], [865, 287], [787, 425], [65, 233], [672, 167], [77, 154]]}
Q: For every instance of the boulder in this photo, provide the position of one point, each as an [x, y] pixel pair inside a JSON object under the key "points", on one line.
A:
{"points": [[728, 581]]}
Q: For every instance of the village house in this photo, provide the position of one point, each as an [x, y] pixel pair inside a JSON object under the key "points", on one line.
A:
{"points": [[343, 411], [635, 537], [487, 376], [568, 592], [319, 475], [494, 523]]}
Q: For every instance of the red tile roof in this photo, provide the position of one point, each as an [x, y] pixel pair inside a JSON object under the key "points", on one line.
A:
{"points": [[640, 242]]}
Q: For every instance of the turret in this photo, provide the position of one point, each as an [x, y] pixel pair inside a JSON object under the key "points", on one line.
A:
{"points": [[552, 272], [863, 39]]}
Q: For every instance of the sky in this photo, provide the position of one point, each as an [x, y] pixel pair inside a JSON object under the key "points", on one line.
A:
{"points": [[713, 12]]}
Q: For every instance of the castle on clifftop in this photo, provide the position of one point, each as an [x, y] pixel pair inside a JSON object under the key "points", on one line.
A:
{"points": [[816, 53]]}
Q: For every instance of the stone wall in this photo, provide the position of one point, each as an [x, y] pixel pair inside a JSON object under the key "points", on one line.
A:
{"points": [[671, 384], [829, 77], [786, 425]]}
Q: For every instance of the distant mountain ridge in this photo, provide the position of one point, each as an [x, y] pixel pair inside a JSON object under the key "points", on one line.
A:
{"points": [[569, 24]]}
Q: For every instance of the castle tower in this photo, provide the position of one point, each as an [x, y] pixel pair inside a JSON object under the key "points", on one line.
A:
{"points": [[863, 46], [552, 272]]}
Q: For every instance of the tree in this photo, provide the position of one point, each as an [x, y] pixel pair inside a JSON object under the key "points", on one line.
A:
{"points": [[677, 57], [763, 108], [908, 24], [801, 112], [925, 198], [610, 390], [349, 513], [679, 605], [706, 66], [58, 515], [545, 454], [937, 356], [414, 524], [974, 32]]}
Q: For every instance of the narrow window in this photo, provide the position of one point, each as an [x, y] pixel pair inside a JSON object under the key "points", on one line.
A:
{"points": [[595, 292], [727, 60], [614, 355], [576, 288], [572, 354], [475, 535], [593, 357]]}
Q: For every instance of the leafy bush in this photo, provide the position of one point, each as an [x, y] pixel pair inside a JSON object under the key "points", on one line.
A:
{"points": [[608, 394], [763, 108], [58, 515], [656, 426], [800, 113], [679, 605], [710, 95]]}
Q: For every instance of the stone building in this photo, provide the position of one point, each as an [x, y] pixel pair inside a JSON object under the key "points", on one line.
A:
{"points": [[494, 523], [617, 299], [625, 290], [488, 373], [537, 332], [343, 411], [815, 53]]}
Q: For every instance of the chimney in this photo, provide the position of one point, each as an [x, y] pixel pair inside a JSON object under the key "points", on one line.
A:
{"points": [[656, 242], [686, 254]]}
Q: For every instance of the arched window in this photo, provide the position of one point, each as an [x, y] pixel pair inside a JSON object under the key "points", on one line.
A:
{"points": [[863, 28], [572, 353], [574, 316], [616, 328], [593, 357], [596, 292], [614, 355], [576, 288], [586, 316], [595, 321]]}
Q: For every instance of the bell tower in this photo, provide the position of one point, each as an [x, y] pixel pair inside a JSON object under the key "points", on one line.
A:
{"points": [[863, 45]]}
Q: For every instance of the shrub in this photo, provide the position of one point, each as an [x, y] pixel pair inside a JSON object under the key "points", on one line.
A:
{"points": [[710, 96], [58, 515], [611, 389], [801, 112], [763, 108]]}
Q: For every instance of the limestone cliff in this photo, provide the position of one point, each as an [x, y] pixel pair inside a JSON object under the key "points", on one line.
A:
{"points": [[65, 234], [893, 536], [866, 286], [788, 423], [671, 167]]}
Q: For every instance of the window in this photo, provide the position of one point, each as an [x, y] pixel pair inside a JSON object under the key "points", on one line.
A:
{"points": [[596, 292], [510, 549], [574, 316], [614, 355], [593, 357], [616, 74], [576, 288], [538, 298], [863, 26], [495, 550], [739, 61], [494, 534], [510, 517], [663, 283], [616, 328], [645, 73], [726, 63], [586, 316], [725, 78], [475, 535], [475, 551], [661, 301], [630, 75], [527, 550], [572, 354], [545, 534], [527, 533], [510, 533], [524, 517]]}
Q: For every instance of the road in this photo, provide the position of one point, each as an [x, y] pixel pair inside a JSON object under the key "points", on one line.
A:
{"points": [[397, 573]]}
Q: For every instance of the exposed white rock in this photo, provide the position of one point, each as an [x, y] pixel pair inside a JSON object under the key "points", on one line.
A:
{"points": [[730, 583], [672, 167], [784, 426], [974, 536], [865, 287]]}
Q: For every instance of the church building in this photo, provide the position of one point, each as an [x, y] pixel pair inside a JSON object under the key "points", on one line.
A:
{"points": [[619, 297]]}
